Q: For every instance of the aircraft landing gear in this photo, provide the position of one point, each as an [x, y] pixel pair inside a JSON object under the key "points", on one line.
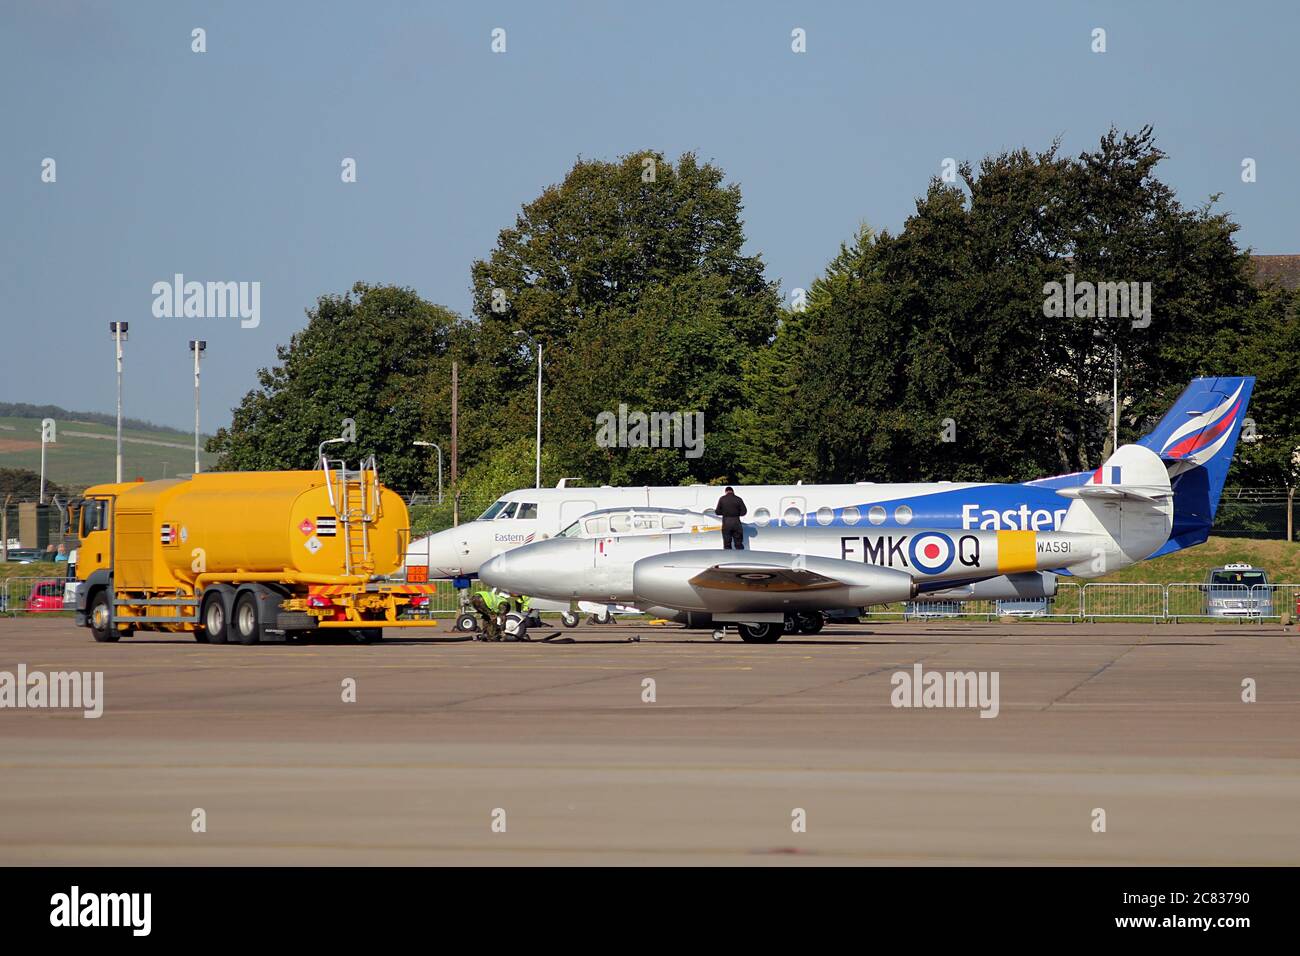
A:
{"points": [[761, 633], [569, 619], [810, 622], [719, 633]]}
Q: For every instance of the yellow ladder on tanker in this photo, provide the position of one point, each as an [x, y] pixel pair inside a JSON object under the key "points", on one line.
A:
{"points": [[356, 524], [357, 505]]}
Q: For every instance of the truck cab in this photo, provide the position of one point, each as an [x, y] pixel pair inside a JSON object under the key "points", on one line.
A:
{"points": [[92, 516]]}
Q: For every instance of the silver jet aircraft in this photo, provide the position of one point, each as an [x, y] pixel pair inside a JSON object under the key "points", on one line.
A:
{"points": [[1124, 514]]}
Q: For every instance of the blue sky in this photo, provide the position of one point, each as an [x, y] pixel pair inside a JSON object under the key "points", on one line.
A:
{"points": [[226, 165]]}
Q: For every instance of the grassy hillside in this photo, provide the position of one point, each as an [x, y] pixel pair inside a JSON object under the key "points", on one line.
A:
{"points": [[1281, 559], [85, 451]]}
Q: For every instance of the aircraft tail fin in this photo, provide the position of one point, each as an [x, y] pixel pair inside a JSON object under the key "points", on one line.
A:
{"points": [[1196, 440], [1128, 504]]}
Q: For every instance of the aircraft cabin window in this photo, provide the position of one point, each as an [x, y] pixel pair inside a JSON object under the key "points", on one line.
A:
{"points": [[492, 511], [620, 524], [903, 514], [825, 515], [876, 515], [761, 517], [645, 522], [673, 522], [793, 516], [527, 511], [572, 531], [508, 511], [851, 515], [597, 527]]}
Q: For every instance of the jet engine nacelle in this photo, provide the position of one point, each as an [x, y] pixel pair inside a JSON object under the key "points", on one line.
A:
{"points": [[1005, 587], [720, 581]]}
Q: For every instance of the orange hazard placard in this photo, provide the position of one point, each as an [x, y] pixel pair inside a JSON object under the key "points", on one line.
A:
{"points": [[417, 573]]}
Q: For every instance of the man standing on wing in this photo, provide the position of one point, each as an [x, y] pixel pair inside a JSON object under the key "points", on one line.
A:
{"points": [[730, 509]]}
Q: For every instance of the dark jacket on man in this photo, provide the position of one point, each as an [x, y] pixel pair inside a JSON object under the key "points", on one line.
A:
{"points": [[730, 507]]}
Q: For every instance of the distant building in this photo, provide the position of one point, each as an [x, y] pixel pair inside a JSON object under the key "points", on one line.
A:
{"points": [[1280, 271]]}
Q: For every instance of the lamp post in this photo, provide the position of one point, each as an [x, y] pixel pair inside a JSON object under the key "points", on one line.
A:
{"points": [[119, 336], [524, 335], [1114, 398], [429, 444], [198, 347], [48, 436]]}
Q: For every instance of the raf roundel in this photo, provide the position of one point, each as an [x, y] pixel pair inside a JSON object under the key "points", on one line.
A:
{"points": [[931, 552]]}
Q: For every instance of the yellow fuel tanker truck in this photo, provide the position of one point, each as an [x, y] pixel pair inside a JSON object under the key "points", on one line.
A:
{"points": [[245, 557]]}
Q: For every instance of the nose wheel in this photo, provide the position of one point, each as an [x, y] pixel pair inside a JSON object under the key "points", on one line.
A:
{"points": [[719, 633]]}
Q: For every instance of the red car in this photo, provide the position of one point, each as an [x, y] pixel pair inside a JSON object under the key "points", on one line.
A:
{"points": [[46, 595]]}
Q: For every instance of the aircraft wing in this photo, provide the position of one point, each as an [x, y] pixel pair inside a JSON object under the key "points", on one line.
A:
{"points": [[717, 580], [762, 577]]}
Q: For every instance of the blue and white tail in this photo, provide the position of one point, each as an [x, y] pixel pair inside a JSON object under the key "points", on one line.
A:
{"points": [[1196, 440], [1125, 510]]}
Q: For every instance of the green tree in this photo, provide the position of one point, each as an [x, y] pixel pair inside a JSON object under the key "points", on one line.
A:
{"points": [[933, 354], [361, 358], [1268, 347], [632, 276]]}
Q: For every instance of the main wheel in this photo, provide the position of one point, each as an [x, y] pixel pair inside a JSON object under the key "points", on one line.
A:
{"points": [[569, 619], [248, 623], [761, 633], [467, 622], [791, 624], [101, 617], [215, 625], [811, 622]]}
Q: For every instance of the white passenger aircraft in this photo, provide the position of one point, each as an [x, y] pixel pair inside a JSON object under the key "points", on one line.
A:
{"points": [[1195, 440]]}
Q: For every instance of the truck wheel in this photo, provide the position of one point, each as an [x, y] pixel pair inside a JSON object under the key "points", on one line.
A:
{"points": [[215, 625], [101, 613], [248, 624], [761, 633], [569, 619], [368, 635]]}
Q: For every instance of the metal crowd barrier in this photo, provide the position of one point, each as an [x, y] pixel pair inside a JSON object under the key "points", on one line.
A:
{"points": [[1123, 600], [1072, 602], [34, 595]]}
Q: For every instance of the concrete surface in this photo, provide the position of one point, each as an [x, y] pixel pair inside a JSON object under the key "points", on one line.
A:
{"points": [[1143, 721]]}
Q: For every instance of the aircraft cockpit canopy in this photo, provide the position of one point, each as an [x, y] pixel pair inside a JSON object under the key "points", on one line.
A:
{"points": [[610, 521], [504, 510]]}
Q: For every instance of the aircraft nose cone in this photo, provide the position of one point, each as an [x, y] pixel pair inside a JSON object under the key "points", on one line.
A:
{"points": [[492, 571], [440, 552], [543, 569]]}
